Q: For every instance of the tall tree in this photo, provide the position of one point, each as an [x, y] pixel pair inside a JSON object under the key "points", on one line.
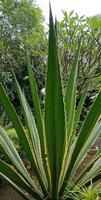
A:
{"points": [[70, 30], [21, 24]]}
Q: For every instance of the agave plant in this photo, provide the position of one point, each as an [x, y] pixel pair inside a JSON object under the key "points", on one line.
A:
{"points": [[53, 147]]}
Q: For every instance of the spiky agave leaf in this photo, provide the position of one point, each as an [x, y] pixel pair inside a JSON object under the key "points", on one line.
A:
{"points": [[54, 112]]}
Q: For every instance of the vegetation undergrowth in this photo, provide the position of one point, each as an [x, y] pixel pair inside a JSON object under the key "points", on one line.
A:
{"points": [[76, 192]]}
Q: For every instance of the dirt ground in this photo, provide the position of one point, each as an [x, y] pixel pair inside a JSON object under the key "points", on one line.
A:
{"points": [[7, 193]]}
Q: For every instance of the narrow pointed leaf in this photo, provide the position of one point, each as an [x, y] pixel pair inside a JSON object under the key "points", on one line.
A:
{"points": [[85, 133], [31, 126], [65, 164], [88, 167], [70, 97], [54, 110], [38, 115], [88, 127], [70, 104], [36, 105], [10, 150], [93, 172], [10, 172], [17, 124], [80, 107], [2, 118], [93, 136], [17, 188]]}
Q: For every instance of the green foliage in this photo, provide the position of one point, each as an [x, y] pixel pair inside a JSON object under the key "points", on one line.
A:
{"points": [[13, 136], [52, 146], [21, 24], [69, 30], [84, 193], [3, 122]]}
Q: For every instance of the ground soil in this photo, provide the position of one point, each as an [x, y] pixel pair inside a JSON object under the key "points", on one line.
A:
{"points": [[7, 193]]}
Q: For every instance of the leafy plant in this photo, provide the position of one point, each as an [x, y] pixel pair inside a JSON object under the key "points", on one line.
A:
{"points": [[69, 29], [2, 121], [84, 193], [53, 148]]}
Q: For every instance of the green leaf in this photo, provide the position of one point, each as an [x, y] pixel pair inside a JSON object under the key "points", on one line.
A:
{"points": [[10, 150], [2, 119], [38, 116], [31, 126], [70, 104], [88, 126], [66, 163], [80, 107], [54, 111], [85, 134], [17, 124], [71, 13], [16, 178], [36, 105], [17, 188], [88, 167], [93, 172], [70, 97], [92, 137]]}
